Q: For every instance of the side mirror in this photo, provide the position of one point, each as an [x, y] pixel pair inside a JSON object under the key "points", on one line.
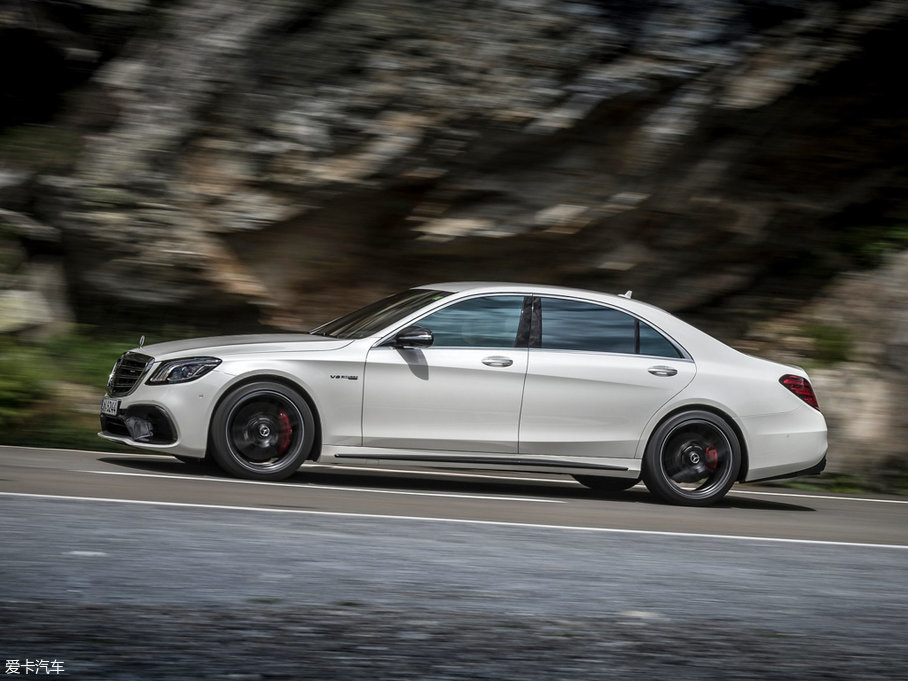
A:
{"points": [[414, 337]]}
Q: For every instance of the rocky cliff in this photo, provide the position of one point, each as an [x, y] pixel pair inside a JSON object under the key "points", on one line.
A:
{"points": [[280, 161]]}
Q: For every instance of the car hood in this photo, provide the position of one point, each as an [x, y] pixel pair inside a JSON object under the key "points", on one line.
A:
{"points": [[224, 346]]}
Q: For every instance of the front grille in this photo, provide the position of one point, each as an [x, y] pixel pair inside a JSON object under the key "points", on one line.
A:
{"points": [[126, 373]]}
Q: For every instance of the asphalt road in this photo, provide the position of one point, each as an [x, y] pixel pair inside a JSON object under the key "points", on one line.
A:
{"points": [[138, 567]]}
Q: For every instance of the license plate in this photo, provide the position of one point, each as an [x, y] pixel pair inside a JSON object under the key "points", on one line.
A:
{"points": [[110, 407]]}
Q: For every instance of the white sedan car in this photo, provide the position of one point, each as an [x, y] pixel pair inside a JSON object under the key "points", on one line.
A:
{"points": [[521, 377]]}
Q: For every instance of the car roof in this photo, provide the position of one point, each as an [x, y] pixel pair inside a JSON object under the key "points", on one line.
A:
{"points": [[512, 287]]}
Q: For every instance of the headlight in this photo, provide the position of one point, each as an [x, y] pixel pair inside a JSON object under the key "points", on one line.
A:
{"points": [[183, 370]]}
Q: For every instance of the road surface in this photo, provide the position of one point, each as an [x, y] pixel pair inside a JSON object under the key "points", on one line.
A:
{"points": [[139, 567]]}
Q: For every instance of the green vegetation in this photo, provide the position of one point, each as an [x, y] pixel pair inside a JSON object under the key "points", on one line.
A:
{"points": [[50, 390], [870, 245], [891, 478], [22, 382], [894, 477], [832, 344], [839, 483], [85, 357]]}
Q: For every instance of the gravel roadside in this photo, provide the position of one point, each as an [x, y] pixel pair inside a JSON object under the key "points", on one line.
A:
{"points": [[357, 641]]}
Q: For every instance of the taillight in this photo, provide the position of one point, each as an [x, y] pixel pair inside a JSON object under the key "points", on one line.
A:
{"points": [[801, 387]]}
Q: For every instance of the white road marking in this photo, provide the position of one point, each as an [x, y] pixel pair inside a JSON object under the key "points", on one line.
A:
{"points": [[642, 615], [310, 486], [461, 521], [574, 483], [734, 490], [86, 554], [817, 496]]}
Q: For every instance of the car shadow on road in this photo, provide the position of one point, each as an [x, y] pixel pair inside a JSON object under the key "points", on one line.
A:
{"points": [[438, 481]]}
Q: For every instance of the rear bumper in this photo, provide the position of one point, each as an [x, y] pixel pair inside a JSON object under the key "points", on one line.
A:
{"points": [[785, 445], [816, 469]]}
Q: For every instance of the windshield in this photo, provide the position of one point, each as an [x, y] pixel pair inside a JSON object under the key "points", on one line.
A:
{"points": [[371, 319]]}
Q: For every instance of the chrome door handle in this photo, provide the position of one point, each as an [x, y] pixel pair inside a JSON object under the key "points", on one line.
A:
{"points": [[497, 361], [662, 371]]}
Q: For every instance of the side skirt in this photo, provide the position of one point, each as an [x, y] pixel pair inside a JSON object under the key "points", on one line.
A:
{"points": [[467, 460]]}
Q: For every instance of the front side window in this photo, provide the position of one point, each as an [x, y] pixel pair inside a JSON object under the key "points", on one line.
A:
{"points": [[488, 322], [576, 325]]}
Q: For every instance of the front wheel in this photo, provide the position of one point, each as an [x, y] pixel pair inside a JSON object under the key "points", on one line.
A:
{"points": [[692, 459], [262, 431]]}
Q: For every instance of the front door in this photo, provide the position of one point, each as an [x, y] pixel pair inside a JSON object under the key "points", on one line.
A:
{"points": [[461, 394]]}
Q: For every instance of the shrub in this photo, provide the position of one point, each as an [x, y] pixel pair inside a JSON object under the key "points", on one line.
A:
{"points": [[23, 381], [832, 344]]}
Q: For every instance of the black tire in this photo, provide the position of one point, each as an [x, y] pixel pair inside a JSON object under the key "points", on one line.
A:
{"points": [[692, 459], [605, 485], [262, 431]]}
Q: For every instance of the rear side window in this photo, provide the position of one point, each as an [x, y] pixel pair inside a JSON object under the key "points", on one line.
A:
{"points": [[576, 325], [654, 343]]}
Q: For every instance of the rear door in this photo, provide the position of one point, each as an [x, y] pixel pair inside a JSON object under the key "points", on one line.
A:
{"points": [[595, 376]]}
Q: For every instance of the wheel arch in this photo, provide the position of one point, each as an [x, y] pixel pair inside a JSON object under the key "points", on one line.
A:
{"points": [[286, 382], [742, 442]]}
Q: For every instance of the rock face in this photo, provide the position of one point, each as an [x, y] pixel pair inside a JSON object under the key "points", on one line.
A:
{"points": [[259, 156], [280, 161]]}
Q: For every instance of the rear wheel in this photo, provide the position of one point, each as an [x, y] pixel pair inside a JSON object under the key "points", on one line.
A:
{"points": [[692, 459], [262, 431], [605, 485]]}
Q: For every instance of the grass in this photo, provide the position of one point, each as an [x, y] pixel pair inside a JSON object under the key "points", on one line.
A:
{"points": [[839, 483], [885, 481], [86, 357], [22, 382], [50, 390]]}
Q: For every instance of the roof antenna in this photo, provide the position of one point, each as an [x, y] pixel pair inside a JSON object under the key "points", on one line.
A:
{"points": [[627, 294]]}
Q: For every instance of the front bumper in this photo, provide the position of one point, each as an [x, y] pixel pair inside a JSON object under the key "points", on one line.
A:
{"points": [[171, 419]]}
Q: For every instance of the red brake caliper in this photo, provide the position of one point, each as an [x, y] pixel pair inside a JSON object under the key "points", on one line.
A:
{"points": [[286, 432], [712, 458]]}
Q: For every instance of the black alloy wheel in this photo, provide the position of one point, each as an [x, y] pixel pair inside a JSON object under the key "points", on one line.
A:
{"points": [[692, 459], [262, 431]]}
